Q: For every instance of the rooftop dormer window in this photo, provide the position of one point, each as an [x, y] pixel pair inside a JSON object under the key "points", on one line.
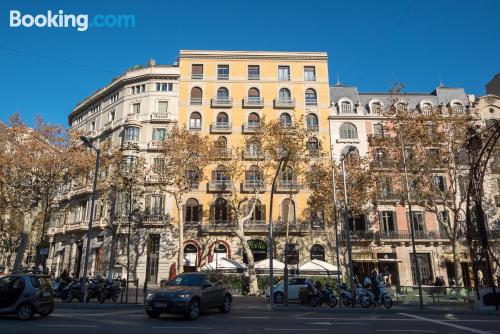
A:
{"points": [[345, 106]]}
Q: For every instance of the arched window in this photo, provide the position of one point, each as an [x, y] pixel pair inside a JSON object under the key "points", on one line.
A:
{"points": [[345, 107], [311, 99], [195, 121], [426, 107], [286, 120], [222, 119], [221, 142], [190, 257], [376, 107], [312, 122], [284, 95], [457, 107], [348, 131], [317, 252], [220, 210], [222, 93], [402, 106], [253, 92], [253, 148], [313, 146], [258, 248], [258, 213], [220, 251], [196, 95], [253, 121], [288, 210], [253, 174], [286, 178], [192, 211]]}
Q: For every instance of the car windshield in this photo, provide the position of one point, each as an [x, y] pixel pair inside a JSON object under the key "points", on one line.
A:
{"points": [[187, 280]]}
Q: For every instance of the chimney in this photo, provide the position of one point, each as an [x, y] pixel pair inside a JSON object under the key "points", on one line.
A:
{"points": [[151, 63]]}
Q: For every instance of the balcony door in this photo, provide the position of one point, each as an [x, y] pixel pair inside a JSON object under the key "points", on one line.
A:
{"points": [[153, 255]]}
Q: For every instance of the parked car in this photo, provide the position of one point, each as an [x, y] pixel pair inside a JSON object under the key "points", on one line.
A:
{"points": [[294, 286], [26, 294], [189, 294]]}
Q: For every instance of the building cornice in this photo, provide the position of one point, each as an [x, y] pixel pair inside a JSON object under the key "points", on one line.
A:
{"points": [[252, 55]]}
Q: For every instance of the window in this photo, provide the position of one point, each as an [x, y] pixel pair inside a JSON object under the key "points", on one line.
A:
{"points": [[311, 99], [197, 71], [222, 94], [317, 252], [286, 120], [131, 133], [162, 107], [313, 146], [253, 95], [253, 175], [376, 107], [418, 221], [426, 108], [457, 107], [258, 214], [190, 257], [357, 224], [192, 211], [345, 107], [222, 119], [221, 142], [165, 87], [402, 106], [159, 134], [219, 208], [193, 177], [138, 89], [253, 72], [154, 205], [196, 95], [309, 73], [253, 121], [384, 187], [222, 72], [443, 219], [114, 97], [439, 182], [195, 121], [253, 148], [136, 108], [288, 210], [378, 130], [312, 122], [284, 73], [387, 222], [284, 95], [433, 154], [348, 131], [158, 163]]}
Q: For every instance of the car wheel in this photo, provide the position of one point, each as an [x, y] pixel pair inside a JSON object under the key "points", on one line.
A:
{"points": [[193, 310], [279, 298], [25, 312], [153, 314], [226, 307], [46, 313]]}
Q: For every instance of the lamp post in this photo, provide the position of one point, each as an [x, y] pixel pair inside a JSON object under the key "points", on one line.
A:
{"points": [[89, 144], [335, 222], [346, 219]]}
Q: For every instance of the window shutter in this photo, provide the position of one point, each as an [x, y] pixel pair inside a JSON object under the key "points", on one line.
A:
{"points": [[211, 215], [184, 212], [197, 69], [263, 211], [200, 212]]}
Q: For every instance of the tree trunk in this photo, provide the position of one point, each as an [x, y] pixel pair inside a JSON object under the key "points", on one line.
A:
{"points": [[180, 257], [252, 275], [23, 242], [455, 246], [112, 246]]}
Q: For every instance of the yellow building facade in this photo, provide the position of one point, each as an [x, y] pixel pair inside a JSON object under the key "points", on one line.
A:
{"points": [[224, 94]]}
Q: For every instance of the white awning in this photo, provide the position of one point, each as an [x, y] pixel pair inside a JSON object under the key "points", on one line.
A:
{"points": [[224, 264], [318, 267], [264, 265]]}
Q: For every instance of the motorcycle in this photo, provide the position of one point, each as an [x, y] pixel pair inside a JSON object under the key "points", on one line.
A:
{"points": [[367, 297], [61, 289], [94, 289], [74, 291], [110, 290], [346, 295], [328, 297]]}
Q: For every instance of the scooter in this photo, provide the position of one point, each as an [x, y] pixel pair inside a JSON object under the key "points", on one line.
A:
{"points": [[328, 296], [74, 291], [61, 288], [111, 290], [94, 289], [367, 297], [346, 295]]}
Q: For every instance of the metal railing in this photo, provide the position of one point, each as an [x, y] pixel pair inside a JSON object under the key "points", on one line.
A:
{"points": [[253, 101], [196, 101], [159, 116], [220, 127], [433, 295], [220, 185], [311, 102], [313, 128], [222, 101], [251, 185], [251, 127], [287, 185], [284, 103]]}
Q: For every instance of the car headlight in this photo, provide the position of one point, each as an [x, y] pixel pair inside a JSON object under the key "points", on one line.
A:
{"points": [[183, 296], [149, 297]]}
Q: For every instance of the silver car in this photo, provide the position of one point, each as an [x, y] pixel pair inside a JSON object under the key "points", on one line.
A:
{"points": [[294, 286], [25, 295]]}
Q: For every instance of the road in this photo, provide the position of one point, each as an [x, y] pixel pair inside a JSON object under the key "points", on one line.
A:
{"points": [[253, 318]]}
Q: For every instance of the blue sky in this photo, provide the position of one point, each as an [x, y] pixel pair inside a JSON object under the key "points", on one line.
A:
{"points": [[370, 44]]}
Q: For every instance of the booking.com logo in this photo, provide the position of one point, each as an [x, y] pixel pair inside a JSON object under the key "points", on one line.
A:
{"points": [[61, 20]]}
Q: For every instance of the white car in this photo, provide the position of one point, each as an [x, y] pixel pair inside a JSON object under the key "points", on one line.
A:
{"points": [[294, 285]]}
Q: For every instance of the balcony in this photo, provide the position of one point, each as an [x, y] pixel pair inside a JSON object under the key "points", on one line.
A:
{"points": [[253, 76], [311, 102], [313, 128], [221, 127], [195, 101], [253, 155], [130, 145], [382, 164], [197, 76], [159, 116], [222, 153], [108, 126], [287, 186], [251, 127], [220, 185], [154, 220], [388, 197], [155, 145], [253, 185], [362, 235], [314, 153], [222, 76], [253, 102], [222, 102], [406, 235], [284, 103], [152, 178]]}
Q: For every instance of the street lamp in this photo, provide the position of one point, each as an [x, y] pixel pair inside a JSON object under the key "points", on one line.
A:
{"points": [[335, 222], [346, 218], [89, 144]]}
